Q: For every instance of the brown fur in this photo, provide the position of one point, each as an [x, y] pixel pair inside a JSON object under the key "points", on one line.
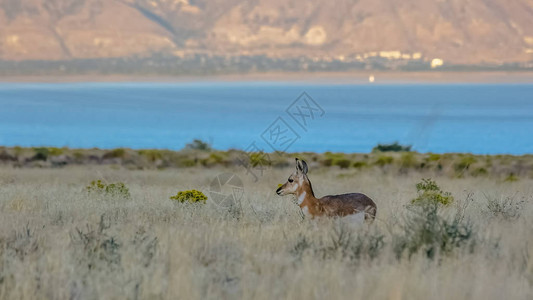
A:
{"points": [[331, 206]]}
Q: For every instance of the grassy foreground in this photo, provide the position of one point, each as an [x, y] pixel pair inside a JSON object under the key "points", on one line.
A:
{"points": [[58, 241]]}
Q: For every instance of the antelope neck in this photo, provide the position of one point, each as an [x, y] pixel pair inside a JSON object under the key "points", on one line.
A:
{"points": [[306, 196]]}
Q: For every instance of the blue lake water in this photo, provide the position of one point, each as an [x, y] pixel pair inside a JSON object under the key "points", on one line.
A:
{"points": [[477, 118]]}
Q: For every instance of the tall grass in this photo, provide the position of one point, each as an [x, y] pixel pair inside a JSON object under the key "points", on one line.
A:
{"points": [[59, 242]]}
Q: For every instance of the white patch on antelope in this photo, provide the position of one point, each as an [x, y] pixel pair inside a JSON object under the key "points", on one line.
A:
{"points": [[301, 198], [305, 210], [355, 219]]}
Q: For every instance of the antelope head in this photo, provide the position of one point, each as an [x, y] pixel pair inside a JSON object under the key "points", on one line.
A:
{"points": [[297, 182]]}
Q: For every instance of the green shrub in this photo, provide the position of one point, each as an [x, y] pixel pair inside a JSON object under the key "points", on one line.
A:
{"points": [[112, 189], [116, 153], [78, 156], [394, 147], [464, 163], [18, 150], [192, 196], [511, 178], [343, 163], [151, 154], [41, 153], [407, 160], [427, 231], [184, 161], [328, 162], [199, 145], [52, 151], [433, 157], [480, 172], [384, 160], [430, 192], [332, 159], [216, 158], [359, 164]]}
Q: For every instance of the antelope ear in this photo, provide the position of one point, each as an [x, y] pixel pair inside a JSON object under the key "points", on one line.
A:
{"points": [[304, 166], [301, 166]]}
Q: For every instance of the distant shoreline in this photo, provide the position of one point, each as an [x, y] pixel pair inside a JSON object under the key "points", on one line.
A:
{"points": [[503, 166], [359, 77]]}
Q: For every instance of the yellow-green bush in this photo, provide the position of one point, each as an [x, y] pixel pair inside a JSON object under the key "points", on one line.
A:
{"points": [[192, 196], [259, 159], [216, 158], [111, 189], [430, 192]]}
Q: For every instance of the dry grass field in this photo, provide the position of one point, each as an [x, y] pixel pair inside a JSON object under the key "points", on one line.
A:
{"points": [[57, 241]]}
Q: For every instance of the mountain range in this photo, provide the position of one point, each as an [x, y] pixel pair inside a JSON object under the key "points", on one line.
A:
{"points": [[432, 33]]}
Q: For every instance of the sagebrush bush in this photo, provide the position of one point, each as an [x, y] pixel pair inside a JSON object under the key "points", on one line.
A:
{"points": [[341, 243], [430, 192], [508, 208], [426, 230], [192, 196], [111, 189], [95, 248]]}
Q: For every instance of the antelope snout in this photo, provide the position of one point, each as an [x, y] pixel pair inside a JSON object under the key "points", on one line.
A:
{"points": [[278, 191]]}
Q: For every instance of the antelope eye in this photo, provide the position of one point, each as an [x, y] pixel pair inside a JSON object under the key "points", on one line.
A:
{"points": [[290, 180]]}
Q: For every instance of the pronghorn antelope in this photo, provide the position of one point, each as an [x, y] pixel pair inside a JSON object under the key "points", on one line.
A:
{"points": [[345, 205]]}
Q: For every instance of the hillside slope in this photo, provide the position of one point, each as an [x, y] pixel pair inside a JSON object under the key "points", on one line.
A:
{"points": [[456, 31]]}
